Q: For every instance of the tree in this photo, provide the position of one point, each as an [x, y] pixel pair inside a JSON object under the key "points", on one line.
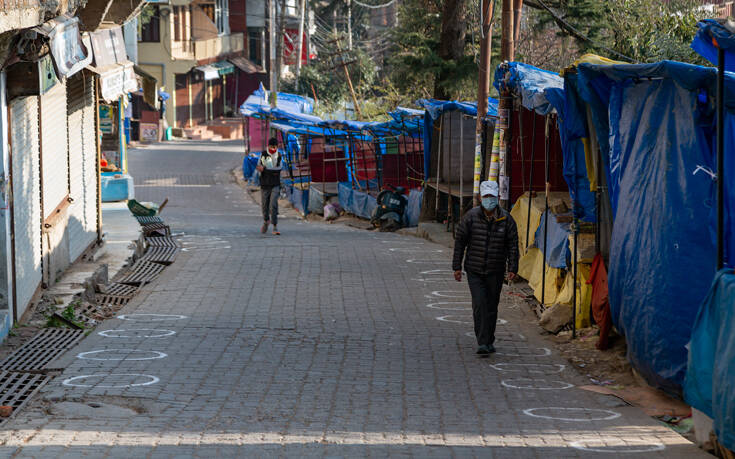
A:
{"points": [[634, 30]]}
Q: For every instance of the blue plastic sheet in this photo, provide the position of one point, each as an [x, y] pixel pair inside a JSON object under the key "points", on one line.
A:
{"points": [[413, 209], [660, 126], [300, 200], [557, 241], [543, 91], [292, 103], [704, 45], [710, 378], [537, 87], [248, 165], [344, 194]]}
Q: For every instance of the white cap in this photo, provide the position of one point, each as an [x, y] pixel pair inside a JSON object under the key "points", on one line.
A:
{"points": [[489, 188]]}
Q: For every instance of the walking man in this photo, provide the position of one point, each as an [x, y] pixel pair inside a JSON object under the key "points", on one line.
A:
{"points": [[269, 166], [489, 236]]}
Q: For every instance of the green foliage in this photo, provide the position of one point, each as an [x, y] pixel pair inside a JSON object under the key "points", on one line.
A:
{"points": [[328, 78], [68, 314], [642, 30]]}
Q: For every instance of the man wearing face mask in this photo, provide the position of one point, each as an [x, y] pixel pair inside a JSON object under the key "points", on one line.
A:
{"points": [[269, 166], [489, 236]]}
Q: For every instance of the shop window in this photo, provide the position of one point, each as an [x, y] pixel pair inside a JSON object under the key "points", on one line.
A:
{"points": [[150, 25], [254, 45]]}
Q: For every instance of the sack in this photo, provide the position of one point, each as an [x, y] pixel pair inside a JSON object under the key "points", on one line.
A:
{"points": [[332, 211]]}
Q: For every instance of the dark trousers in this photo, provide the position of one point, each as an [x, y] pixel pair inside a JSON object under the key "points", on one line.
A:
{"points": [[269, 203], [485, 292]]}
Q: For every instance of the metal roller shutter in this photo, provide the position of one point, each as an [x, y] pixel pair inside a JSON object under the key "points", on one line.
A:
{"points": [[79, 234], [91, 202], [26, 198], [54, 157]]}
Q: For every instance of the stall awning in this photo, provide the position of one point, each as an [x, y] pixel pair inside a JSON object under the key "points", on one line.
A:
{"points": [[210, 72], [245, 65], [224, 67], [149, 85], [70, 52], [115, 80]]}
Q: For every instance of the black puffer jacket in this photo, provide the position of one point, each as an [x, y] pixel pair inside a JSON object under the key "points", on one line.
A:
{"points": [[489, 243]]}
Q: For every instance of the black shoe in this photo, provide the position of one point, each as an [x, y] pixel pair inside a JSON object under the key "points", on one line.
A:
{"points": [[483, 350], [490, 349]]}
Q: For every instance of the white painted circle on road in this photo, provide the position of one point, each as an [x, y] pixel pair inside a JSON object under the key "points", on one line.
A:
{"points": [[530, 367], [582, 414], [71, 382], [155, 333], [415, 249], [436, 279], [454, 321], [450, 293], [543, 352], [630, 446], [440, 305], [142, 317], [427, 261], [438, 271], [153, 355], [535, 384]]}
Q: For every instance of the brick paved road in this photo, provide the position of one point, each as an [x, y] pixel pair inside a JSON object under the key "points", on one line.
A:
{"points": [[327, 341]]}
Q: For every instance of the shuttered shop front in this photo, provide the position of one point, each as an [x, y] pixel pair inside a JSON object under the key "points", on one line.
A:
{"points": [[82, 225], [25, 177], [54, 157]]}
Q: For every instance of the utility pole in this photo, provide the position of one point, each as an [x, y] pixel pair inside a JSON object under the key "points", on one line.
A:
{"points": [[502, 140], [299, 48], [344, 65], [482, 90], [349, 25], [272, 50]]}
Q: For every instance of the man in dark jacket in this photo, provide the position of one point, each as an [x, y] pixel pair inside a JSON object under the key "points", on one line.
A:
{"points": [[269, 166], [489, 236]]}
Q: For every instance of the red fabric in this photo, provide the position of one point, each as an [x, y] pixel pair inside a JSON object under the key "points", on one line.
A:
{"points": [[600, 301]]}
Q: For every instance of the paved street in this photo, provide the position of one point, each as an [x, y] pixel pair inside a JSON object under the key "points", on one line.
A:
{"points": [[325, 341]]}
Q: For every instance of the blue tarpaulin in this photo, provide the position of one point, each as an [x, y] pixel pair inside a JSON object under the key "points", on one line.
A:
{"points": [[710, 378], [356, 202], [557, 241], [659, 119], [713, 34], [543, 91], [540, 90], [413, 209], [292, 103]]}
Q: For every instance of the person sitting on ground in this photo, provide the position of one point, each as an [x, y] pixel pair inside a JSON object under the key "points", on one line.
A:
{"points": [[269, 166], [489, 236]]}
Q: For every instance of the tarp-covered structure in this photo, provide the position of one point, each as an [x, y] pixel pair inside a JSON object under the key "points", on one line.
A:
{"points": [[345, 159], [655, 124], [710, 378]]}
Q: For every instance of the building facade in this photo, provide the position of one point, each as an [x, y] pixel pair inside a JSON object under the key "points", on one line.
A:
{"points": [[49, 138], [197, 52]]}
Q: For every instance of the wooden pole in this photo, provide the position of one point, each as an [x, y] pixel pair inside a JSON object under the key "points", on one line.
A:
{"points": [[483, 88], [507, 45], [349, 80]]}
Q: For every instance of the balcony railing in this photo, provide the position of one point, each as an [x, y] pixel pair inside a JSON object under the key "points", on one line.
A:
{"points": [[208, 48]]}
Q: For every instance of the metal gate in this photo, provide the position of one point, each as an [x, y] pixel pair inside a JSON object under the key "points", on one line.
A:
{"points": [[82, 158], [54, 156], [26, 202]]}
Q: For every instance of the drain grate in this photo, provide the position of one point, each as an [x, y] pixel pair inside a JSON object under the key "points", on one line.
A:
{"points": [[120, 290], [165, 255], [35, 355], [166, 241], [156, 230], [17, 388], [148, 220], [112, 301], [55, 338], [141, 272]]}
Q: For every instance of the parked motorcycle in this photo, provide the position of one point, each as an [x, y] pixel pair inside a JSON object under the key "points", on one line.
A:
{"points": [[390, 214]]}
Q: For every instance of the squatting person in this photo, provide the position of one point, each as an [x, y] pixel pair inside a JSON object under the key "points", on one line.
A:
{"points": [[269, 166], [489, 236]]}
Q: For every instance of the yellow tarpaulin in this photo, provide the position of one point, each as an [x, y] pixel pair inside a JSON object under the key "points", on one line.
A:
{"points": [[520, 215], [558, 286]]}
